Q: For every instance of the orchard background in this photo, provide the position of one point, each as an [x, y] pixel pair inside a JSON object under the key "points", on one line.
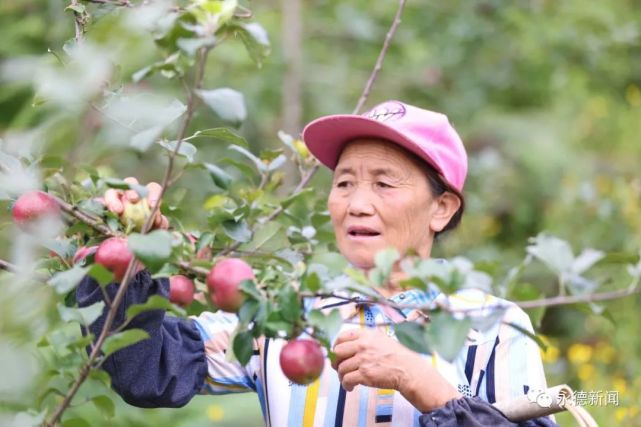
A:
{"points": [[546, 95]]}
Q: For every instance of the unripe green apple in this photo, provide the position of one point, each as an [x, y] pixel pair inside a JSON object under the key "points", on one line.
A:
{"points": [[135, 214]]}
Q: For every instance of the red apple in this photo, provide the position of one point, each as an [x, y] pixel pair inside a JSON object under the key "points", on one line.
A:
{"points": [[32, 206], [181, 290], [83, 252], [302, 360], [115, 256], [223, 281]]}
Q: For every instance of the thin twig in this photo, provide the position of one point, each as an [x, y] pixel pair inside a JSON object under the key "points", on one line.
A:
{"points": [[123, 3], [381, 56], [85, 217], [79, 22]]}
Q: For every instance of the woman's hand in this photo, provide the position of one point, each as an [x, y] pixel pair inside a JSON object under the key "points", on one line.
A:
{"points": [[120, 202], [371, 358]]}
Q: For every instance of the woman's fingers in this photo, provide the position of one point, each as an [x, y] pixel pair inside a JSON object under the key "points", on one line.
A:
{"points": [[113, 201], [351, 380], [131, 195], [344, 351], [154, 193]]}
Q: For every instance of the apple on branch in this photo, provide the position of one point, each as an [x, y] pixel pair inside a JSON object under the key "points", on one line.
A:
{"points": [[181, 290], [32, 207], [302, 360], [115, 256], [223, 282]]}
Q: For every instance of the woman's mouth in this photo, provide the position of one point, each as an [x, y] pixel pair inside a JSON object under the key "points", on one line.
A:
{"points": [[360, 232]]}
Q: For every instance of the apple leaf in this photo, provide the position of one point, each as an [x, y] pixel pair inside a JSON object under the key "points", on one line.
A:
{"points": [[84, 315], [101, 274], [65, 281], [243, 346], [153, 249], [154, 302], [186, 149], [144, 139], [412, 335], [260, 166], [123, 339], [447, 334], [221, 178], [237, 230], [222, 134], [105, 405], [227, 103], [75, 422], [329, 324]]}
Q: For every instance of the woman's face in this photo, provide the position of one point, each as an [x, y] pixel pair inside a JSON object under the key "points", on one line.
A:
{"points": [[381, 198]]}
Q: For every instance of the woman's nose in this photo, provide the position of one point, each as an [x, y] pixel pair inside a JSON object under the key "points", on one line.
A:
{"points": [[360, 201]]}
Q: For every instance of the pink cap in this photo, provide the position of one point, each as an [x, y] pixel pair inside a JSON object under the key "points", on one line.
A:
{"points": [[425, 133]]}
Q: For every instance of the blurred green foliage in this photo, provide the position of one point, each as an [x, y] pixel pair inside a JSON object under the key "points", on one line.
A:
{"points": [[547, 97]]}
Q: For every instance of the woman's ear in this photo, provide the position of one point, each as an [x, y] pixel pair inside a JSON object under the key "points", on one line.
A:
{"points": [[446, 206]]}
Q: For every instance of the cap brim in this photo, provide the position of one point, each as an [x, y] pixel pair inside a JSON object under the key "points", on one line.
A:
{"points": [[326, 137]]}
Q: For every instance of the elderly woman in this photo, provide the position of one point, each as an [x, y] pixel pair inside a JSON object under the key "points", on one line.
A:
{"points": [[398, 178]]}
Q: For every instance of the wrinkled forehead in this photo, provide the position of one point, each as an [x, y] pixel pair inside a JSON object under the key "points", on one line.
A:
{"points": [[371, 152]]}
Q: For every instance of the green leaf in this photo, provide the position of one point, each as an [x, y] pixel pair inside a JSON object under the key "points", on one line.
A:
{"points": [[221, 178], [555, 253], [123, 339], [227, 103], [65, 281], [186, 149], [237, 230], [154, 302], [311, 282], [75, 422], [447, 334], [222, 134], [251, 156], [101, 274], [85, 315], [294, 197], [249, 287], [329, 324], [255, 39], [412, 335], [153, 249], [289, 304], [243, 346], [247, 311], [144, 139], [271, 236], [105, 405], [77, 8]]}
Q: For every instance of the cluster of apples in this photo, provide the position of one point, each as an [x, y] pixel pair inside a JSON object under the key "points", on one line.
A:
{"points": [[301, 360]]}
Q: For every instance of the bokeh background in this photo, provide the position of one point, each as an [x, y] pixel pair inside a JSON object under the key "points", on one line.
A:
{"points": [[547, 98]]}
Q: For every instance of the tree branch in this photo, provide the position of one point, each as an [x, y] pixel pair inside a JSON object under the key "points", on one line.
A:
{"points": [[132, 267]]}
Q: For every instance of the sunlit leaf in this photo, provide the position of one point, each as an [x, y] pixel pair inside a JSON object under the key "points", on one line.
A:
{"points": [[65, 281], [123, 339], [153, 249], [227, 103]]}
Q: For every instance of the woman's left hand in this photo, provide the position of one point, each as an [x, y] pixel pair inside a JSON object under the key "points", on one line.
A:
{"points": [[371, 358]]}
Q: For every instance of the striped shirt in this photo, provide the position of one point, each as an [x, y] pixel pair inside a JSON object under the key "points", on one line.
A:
{"points": [[497, 362]]}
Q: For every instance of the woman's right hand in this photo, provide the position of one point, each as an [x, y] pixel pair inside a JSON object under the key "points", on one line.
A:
{"points": [[123, 202]]}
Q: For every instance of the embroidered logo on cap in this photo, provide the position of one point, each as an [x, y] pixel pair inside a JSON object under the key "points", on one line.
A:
{"points": [[386, 112]]}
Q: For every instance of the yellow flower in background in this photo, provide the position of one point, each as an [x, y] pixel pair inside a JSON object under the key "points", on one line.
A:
{"points": [[215, 412], [605, 353], [579, 353], [620, 414], [619, 384], [586, 372], [551, 353]]}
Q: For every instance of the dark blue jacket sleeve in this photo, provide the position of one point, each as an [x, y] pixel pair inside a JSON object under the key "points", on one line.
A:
{"points": [[167, 369], [474, 412]]}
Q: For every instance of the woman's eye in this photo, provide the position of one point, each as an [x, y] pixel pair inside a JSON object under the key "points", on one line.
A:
{"points": [[342, 184], [383, 184]]}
